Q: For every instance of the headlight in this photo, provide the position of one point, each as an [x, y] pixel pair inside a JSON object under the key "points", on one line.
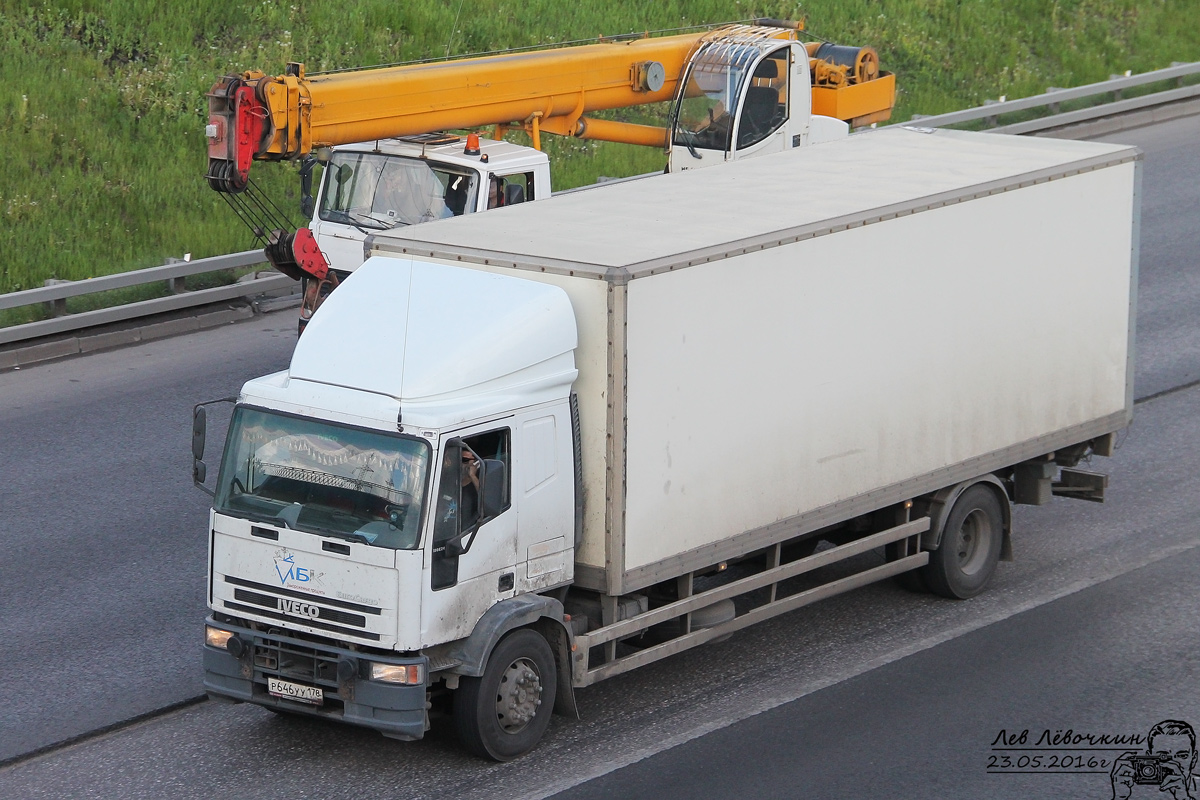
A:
{"points": [[215, 637], [408, 674]]}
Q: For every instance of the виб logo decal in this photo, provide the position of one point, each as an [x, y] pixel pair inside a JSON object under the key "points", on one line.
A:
{"points": [[287, 569]]}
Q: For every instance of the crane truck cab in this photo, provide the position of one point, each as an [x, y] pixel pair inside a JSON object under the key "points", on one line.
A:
{"points": [[375, 186]]}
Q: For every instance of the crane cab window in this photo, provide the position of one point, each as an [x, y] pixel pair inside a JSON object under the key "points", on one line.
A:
{"points": [[374, 190], [764, 108]]}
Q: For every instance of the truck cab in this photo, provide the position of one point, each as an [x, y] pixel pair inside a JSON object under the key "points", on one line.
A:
{"points": [[365, 517], [376, 186]]}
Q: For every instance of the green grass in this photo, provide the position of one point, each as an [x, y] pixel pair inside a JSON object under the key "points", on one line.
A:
{"points": [[102, 104]]}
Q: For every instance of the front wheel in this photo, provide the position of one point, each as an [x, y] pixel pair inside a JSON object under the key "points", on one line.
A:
{"points": [[503, 713], [966, 559]]}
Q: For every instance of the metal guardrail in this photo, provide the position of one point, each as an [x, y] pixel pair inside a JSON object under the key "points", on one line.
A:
{"points": [[57, 295], [1053, 97]]}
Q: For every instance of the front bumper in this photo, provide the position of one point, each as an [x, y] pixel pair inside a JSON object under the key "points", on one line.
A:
{"points": [[395, 710]]}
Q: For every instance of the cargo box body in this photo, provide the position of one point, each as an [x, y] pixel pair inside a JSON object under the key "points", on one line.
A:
{"points": [[771, 347]]}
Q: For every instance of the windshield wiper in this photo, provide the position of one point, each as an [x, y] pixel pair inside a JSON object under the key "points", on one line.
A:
{"points": [[348, 536], [687, 138], [256, 516]]}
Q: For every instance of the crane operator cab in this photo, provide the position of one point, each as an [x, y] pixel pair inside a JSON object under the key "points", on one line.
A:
{"points": [[745, 94]]}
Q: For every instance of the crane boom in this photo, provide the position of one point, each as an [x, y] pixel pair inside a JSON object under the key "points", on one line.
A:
{"points": [[258, 117]]}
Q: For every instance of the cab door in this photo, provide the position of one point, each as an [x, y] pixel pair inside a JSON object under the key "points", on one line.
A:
{"points": [[764, 113], [471, 551], [735, 102]]}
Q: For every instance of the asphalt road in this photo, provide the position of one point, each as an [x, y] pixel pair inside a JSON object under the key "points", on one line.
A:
{"points": [[102, 601], [1168, 336], [101, 581]]}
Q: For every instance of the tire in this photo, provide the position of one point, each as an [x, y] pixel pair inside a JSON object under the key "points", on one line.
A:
{"points": [[966, 559], [495, 717]]}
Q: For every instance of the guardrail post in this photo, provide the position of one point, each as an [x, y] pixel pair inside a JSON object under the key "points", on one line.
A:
{"points": [[993, 120], [56, 308], [1054, 104], [176, 285]]}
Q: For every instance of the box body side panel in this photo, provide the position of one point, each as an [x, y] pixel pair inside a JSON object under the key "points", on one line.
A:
{"points": [[769, 385]]}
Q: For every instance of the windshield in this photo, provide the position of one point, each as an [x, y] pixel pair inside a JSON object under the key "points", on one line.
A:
{"points": [[704, 114], [321, 478], [373, 190]]}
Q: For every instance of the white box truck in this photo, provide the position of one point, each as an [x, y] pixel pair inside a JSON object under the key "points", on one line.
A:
{"points": [[521, 452]]}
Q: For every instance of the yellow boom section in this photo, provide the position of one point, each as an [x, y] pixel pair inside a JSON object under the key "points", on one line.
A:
{"points": [[564, 83]]}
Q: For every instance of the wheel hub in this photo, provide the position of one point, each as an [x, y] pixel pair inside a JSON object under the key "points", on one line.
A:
{"points": [[972, 542], [518, 696]]}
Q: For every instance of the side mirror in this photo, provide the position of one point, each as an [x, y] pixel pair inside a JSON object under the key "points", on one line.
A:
{"points": [[199, 431], [491, 502], [199, 424], [306, 195], [199, 468]]}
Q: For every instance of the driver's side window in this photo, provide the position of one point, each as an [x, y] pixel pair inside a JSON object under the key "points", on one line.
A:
{"points": [[465, 463]]}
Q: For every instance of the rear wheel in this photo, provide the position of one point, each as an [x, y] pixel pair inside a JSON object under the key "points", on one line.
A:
{"points": [[503, 713], [966, 559]]}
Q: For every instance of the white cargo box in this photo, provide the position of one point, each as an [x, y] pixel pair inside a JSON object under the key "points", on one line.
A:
{"points": [[769, 346]]}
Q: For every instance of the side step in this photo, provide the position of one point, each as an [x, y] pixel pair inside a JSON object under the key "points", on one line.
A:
{"points": [[583, 676]]}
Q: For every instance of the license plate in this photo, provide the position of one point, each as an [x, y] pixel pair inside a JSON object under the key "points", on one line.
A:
{"points": [[295, 691]]}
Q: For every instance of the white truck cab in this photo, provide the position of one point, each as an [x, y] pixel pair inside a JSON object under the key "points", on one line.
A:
{"points": [[377, 186], [391, 183], [370, 495]]}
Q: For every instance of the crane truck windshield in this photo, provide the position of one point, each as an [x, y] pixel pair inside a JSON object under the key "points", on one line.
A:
{"points": [[374, 190], [364, 486], [716, 80]]}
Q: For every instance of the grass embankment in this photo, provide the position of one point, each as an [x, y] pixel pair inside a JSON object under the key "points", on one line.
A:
{"points": [[102, 104]]}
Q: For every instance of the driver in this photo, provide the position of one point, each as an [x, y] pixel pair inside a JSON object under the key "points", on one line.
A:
{"points": [[458, 513], [408, 197]]}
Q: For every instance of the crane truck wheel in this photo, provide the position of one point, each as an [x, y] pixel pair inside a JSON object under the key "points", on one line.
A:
{"points": [[503, 713], [965, 560]]}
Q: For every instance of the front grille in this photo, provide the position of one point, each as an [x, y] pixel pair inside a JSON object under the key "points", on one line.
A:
{"points": [[286, 659], [302, 609], [281, 605], [329, 601], [312, 623]]}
